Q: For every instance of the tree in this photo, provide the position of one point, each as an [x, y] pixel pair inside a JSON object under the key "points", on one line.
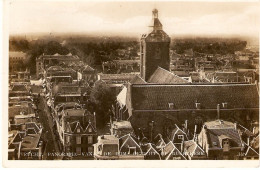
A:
{"points": [[103, 98]]}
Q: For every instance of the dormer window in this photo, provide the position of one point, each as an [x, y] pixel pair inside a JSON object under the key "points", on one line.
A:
{"points": [[197, 105], [171, 106], [224, 105], [181, 137], [226, 145]]}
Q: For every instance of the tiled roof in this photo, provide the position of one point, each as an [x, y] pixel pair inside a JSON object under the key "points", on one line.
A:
{"points": [[19, 88], [192, 148], [162, 76], [158, 97], [137, 80], [170, 150], [214, 141], [30, 141]]}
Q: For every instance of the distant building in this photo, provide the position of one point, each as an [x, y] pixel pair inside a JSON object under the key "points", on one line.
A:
{"points": [[221, 140], [155, 49], [45, 61], [15, 60], [121, 128]]}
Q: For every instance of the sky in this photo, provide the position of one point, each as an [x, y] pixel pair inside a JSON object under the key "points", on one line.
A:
{"points": [[133, 18]]}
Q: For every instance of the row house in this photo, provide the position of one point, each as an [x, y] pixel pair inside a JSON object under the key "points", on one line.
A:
{"points": [[15, 60], [27, 144], [45, 61], [77, 131], [109, 147]]}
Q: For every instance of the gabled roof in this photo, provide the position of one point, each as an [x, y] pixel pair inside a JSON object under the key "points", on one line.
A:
{"points": [[158, 97], [250, 152], [162, 76], [169, 149], [124, 139], [159, 142], [150, 148], [88, 68], [175, 131], [192, 148]]}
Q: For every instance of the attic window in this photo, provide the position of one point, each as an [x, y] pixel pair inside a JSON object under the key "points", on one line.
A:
{"points": [[197, 105], [90, 130], [224, 105], [78, 130], [171, 105], [214, 143], [180, 137]]}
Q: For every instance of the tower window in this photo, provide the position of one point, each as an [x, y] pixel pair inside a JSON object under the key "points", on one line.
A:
{"points": [[158, 53]]}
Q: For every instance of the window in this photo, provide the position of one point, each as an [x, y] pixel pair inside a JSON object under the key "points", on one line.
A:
{"points": [[78, 139], [132, 150], [68, 139], [78, 150], [90, 130], [180, 137], [224, 105], [90, 149], [78, 130], [90, 139], [157, 53], [171, 105], [197, 105], [225, 145]]}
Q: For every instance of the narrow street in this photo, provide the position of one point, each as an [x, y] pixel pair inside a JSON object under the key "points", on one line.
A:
{"points": [[48, 131]]}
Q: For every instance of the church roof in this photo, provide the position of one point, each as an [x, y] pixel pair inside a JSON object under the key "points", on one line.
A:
{"points": [[137, 80], [184, 96], [162, 76]]}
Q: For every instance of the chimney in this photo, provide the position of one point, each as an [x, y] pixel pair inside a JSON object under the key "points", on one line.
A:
{"points": [[248, 141], [195, 130], [94, 123], [186, 124], [218, 111], [235, 124]]}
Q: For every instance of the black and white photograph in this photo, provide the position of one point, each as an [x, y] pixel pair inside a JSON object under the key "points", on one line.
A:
{"points": [[175, 81]]}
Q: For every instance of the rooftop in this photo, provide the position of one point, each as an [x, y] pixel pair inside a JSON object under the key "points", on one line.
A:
{"points": [[158, 96], [162, 76], [108, 139], [30, 141]]}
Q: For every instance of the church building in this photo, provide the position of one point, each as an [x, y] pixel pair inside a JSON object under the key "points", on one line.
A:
{"points": [[159, 99]]}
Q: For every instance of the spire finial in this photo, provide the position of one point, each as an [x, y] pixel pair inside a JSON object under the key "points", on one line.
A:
{"points": [[155, 13]]}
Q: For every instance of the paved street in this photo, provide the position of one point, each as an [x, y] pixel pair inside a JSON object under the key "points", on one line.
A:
{"points": [[48, 132]]}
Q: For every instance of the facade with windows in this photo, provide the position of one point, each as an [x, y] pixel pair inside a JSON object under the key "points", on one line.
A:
{"points": [[78, 133]]}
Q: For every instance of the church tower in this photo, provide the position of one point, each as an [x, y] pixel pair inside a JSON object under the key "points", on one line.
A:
{"points": [[155, 49]]}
